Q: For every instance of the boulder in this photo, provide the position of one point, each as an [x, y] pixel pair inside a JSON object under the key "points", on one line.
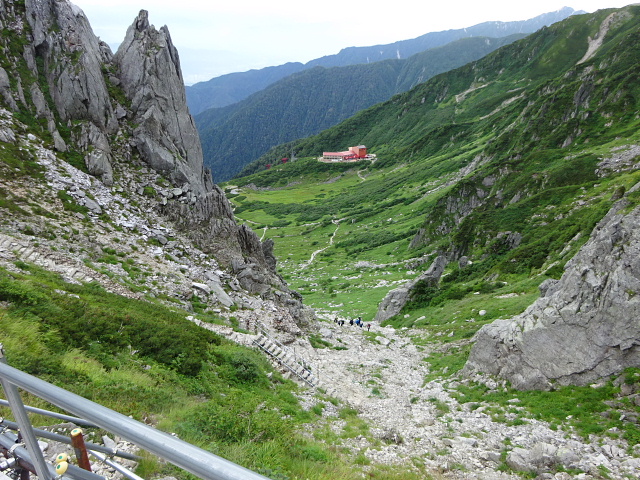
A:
{"points": [[392, 304], [92, 205], [202, 287], [98, 163], [584, 327], [326, 333], [519, 460], [221, 295]]}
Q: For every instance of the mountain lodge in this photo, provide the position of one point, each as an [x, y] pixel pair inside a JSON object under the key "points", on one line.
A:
{"points": [[351, 155]]}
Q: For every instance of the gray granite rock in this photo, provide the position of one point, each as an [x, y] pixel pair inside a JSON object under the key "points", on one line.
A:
{"points": [[73, 58], [150, 75], [584, 327], [397, 298]]}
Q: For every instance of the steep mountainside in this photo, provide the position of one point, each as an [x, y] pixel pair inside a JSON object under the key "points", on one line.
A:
{"points": [[228, 89], [503, 167], [123, 269], [234, 87], [238, 134], [113, 117]]}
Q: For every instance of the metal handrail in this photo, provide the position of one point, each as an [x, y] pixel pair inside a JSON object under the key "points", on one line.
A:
{"points": [[195, 460], [78, 421], [116, 466]]}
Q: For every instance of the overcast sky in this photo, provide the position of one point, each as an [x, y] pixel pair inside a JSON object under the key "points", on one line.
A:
{"points": [[218, 37]]}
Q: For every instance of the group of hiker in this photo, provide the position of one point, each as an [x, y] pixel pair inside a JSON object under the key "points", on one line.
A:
{"points": [[357, 322]]}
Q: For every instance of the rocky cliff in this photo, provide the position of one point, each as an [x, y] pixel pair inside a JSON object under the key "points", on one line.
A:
{"points": [[123, 119], [148, 70], [584, 327]]}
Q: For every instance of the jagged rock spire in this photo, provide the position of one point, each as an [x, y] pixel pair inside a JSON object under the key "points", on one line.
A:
{"points": [[149, 71]]}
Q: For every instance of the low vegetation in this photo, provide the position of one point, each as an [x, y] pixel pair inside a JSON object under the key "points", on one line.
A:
{"points": [[589, 410], [146, 360]]}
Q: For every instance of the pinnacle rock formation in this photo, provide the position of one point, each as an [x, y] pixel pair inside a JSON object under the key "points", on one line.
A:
{"points": [[149, 73], [110, 113]]}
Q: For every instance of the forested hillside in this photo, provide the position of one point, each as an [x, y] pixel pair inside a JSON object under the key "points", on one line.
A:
{"points": [[233, 87], [316, 99], [518, 100]]}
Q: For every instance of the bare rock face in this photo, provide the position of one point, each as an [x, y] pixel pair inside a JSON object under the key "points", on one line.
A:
{"points": [[210, 223], [111, 108], [71, 57], [149, 73], [585, 326], [397, 298], [5, 90], [65, 52]]}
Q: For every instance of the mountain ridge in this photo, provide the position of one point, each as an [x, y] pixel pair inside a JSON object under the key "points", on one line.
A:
{"points": [[204, 95], [284, 111]]}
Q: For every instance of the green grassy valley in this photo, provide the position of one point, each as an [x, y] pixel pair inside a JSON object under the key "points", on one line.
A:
{"points": [[345, 238], [503, 161], [504, 166]]}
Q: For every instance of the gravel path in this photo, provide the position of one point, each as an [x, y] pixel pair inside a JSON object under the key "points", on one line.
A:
{"points": [[382, 374]]}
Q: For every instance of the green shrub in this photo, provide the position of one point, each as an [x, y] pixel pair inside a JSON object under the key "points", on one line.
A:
{"points": [[117, 323], [19, 293], [238, 365]]}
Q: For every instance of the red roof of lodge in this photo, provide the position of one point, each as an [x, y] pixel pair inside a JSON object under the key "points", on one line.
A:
{"points": [[343, 154]]}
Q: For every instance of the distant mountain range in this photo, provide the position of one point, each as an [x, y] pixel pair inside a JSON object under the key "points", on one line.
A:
{"points": [[328, 90], [233, 87]]}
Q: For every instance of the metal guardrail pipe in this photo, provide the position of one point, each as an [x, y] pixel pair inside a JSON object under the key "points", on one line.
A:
{"points": [[61, 416], [56, 437], [201, 463], [21, 416], [7, 464], [116, 466]]}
